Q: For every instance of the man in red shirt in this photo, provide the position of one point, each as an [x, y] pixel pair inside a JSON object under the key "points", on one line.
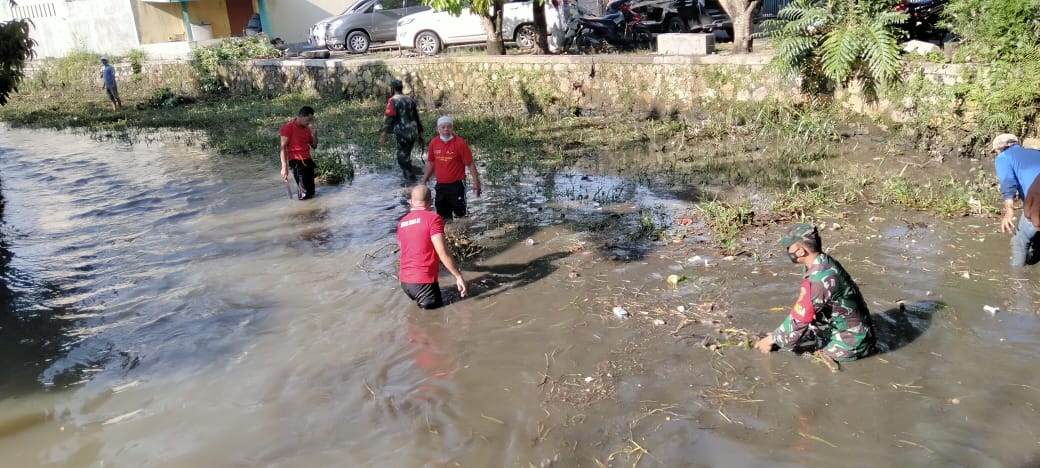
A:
{"points": [[298, 137], [420, 234], [449, 156]]}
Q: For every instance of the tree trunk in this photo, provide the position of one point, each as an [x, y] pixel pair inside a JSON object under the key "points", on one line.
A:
{"points": [[742, 12], [541, 28], [493, 28]]}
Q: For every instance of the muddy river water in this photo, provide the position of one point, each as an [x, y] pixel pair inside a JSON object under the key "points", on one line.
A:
{"points": [[164, 306]]}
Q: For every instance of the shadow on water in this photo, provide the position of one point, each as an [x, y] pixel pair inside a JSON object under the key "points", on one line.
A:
{"points": [[899, 327], [503, 278]]}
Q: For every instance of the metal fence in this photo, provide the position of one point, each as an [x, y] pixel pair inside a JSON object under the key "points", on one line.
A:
{"points": [[771, 7]]}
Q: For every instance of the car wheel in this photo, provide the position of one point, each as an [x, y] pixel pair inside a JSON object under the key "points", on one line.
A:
{"points": [[428, 43], [675, 24], [357, 42], [525, 36]]}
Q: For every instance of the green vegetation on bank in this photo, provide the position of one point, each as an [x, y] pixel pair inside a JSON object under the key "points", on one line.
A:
{"points": [[845, 42]]}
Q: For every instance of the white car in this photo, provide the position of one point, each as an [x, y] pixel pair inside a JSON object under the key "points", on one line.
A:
{"points": [[430, 31]]}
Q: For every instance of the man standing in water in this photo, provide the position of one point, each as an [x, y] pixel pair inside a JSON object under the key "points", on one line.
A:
{"points": [[830, 316], [420, 234], [449, 156], [402, 118], [1017, 168], [108, 78], [298, 137]]}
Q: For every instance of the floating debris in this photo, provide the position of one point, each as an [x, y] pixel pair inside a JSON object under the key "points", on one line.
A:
{"points": [[621, 313], [991, 309]]}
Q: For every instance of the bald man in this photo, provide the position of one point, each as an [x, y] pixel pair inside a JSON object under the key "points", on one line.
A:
{"points": [[421, 237]]}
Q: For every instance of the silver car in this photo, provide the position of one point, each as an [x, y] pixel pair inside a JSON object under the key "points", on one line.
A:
{"points": [[362, 24]]}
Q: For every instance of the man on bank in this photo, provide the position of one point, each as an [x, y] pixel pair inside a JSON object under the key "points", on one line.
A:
{"points": [[830, 316], [1017, 168], [108, 79], [402, 119], [298, 138], [449, 157], [420, 235]]}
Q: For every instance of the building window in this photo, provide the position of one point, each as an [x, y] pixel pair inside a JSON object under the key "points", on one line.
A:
{"points": [[34, 11]]}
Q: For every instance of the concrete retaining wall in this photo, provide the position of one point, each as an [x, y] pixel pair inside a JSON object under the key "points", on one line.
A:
{"points": [[649, 85]]}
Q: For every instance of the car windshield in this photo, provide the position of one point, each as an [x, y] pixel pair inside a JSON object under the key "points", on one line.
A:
{"points": [[356, 6]]}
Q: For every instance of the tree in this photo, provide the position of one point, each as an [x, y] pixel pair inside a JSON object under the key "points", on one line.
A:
{"points": [[836, 43], [541, 27], [742, 12], [16, 48], [490, 12]]}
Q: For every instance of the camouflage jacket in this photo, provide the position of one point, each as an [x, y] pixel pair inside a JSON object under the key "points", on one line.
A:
{"points": [[402, 117], [831, 307]]}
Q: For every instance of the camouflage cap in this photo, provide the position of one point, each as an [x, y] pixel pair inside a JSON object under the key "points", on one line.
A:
{"points": [[396, 83], [802, 232]]}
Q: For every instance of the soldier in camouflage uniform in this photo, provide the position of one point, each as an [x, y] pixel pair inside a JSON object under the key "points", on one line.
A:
{"points": [[830, 316], [402, 118]]}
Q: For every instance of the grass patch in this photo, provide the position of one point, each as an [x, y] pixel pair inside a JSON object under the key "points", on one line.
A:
{"points": [[727, 221]]}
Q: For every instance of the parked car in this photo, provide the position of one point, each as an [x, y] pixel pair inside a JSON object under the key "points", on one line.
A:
{"points": [[662, 17], [362, 24], [431, 31]]}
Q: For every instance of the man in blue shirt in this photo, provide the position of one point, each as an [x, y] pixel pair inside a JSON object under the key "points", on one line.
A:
{"points": [[108, 75], [1017, 168]]}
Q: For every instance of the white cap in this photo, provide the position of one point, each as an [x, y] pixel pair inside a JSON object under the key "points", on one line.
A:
{"points": [[104, 59], [1004, 140], [445, 119]]}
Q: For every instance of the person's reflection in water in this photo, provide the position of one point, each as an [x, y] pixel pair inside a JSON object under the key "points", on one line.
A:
{"points": [[311, 222], [430, 359]]}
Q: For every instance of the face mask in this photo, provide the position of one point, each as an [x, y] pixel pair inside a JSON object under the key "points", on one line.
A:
{"points": [[446, 139], [793, 256]]}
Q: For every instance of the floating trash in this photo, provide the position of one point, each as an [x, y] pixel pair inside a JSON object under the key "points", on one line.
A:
{"points": [[992, 310], [621, 313]]}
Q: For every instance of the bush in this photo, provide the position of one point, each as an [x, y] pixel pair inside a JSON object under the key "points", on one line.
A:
{"points": [[136, 58], [230, 52], [334, 167], [1005, 34]]}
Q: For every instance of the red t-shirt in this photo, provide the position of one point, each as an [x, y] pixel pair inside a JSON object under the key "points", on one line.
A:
{"points": [[450, 159], [419, 262], [299, 144]]}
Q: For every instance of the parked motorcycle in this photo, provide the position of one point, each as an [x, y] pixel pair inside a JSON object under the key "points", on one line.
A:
{"points": [[620, 28], [924, 18]]}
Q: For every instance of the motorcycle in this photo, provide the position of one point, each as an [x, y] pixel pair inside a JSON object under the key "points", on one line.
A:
{"points": [[620, 28], [924, 18]]}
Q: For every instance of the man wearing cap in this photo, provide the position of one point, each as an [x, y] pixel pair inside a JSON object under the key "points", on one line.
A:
{"points": [[830, 316], [402, 118], [420, 234], [1017, 167], [449, 156], [108, 78]]}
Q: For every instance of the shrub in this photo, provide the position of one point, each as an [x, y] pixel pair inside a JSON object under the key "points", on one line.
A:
{"points": [[229, 52], [136, 58], [1005, 34]]}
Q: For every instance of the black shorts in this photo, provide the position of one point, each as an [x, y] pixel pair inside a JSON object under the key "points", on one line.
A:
{"points": [[450, 199], [427, 295]]}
